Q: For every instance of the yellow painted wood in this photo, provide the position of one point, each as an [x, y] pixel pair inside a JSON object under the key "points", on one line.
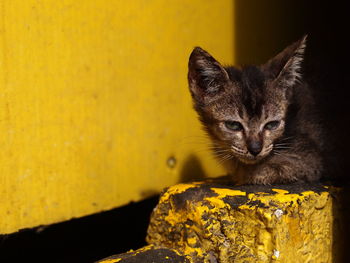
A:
{"points": [[213, 223], [94, 101]]}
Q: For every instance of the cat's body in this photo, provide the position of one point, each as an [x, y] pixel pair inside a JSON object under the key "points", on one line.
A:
{"points": [[262, 119]]}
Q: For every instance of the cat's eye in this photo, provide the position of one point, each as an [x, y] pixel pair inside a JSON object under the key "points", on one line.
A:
{"points": [[272, 125], [233, 125]]}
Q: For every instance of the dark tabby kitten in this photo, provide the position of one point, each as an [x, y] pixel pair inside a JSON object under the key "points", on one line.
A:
{"points": [[262, 119]]}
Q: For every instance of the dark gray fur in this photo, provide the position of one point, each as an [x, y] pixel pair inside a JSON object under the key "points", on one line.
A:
{"points": [[255, 96]]}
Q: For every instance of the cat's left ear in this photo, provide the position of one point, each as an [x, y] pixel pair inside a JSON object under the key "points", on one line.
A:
{"points": [[286, 66], [206, 77]]}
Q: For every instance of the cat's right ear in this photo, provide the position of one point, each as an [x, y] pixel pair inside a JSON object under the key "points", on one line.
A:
{"points": [[285, 67], [206, 77]]}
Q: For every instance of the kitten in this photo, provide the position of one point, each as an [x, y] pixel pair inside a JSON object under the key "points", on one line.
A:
{"points": [[262, 119]]}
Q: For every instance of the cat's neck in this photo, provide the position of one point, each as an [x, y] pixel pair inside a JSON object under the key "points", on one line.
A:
{"points": [[240, 171]]}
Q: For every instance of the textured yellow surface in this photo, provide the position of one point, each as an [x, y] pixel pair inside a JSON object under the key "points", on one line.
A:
{"points": [[94, 101], [288, 224]]}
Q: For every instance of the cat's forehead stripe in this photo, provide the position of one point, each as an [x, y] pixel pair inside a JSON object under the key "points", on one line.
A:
{"points": [[252, 85]]}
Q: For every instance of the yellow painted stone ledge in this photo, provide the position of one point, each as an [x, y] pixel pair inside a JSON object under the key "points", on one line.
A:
{"points": [[214, 222]]}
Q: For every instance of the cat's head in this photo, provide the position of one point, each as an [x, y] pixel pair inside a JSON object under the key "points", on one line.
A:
{"points": [[244, 110]]}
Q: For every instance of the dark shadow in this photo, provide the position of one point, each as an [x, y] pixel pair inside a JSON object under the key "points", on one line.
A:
{"points": [[263, 28], [192, 170], [86, 239]]}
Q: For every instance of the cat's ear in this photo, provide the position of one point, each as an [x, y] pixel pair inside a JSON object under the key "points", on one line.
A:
{"points": [[286, 66], [206, 77]]}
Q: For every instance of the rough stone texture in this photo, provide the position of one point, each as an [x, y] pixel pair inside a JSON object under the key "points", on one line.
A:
{"points": [[148, 254], [213, 222]]}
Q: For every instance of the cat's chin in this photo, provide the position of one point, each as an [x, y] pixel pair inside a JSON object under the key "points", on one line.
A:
{"points": [[250, 160]]}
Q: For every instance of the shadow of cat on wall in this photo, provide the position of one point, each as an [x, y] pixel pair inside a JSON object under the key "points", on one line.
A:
{"points": [[192, 170]]}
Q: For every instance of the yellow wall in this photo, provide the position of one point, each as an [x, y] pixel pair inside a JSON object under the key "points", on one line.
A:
{"points": [[94, 100]]}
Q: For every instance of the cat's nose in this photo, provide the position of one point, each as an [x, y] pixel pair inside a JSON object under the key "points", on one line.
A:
{"points": [[254, 147]]}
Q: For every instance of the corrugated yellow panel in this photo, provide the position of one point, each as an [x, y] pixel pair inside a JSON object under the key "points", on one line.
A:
{"points": [[94, 102]]}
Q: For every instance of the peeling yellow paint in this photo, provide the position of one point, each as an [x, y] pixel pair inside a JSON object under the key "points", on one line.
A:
{"points": [[280, 191], [171, 191], [236, 226], [111, 260], [222, 192]]}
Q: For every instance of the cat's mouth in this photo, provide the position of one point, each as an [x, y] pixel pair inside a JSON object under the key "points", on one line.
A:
{"points": [[248, 158]]}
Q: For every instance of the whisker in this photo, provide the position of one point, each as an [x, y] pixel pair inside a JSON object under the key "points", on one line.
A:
{"points": [[217, 148], [283, 144], [286, 138], [225, 158], [220, 160], [221, 156], [283, 154], [202, 150], [282, 147], [221, 150], [279, 154]]}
